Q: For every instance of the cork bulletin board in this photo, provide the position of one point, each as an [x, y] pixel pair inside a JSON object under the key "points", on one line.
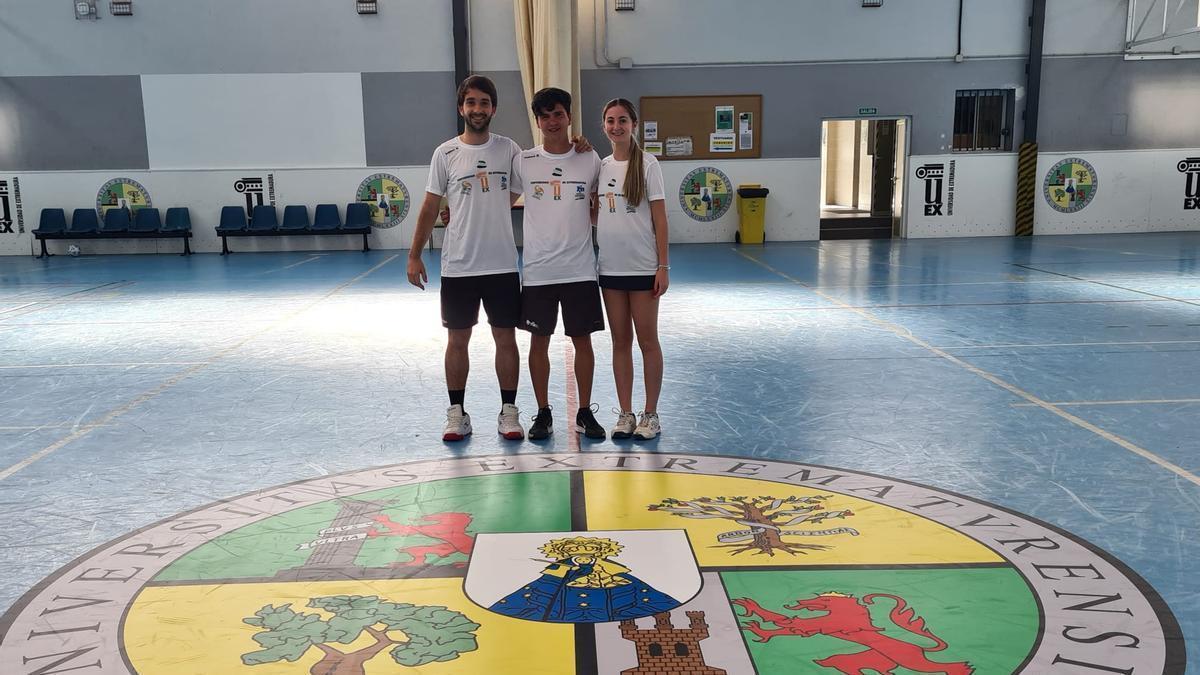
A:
{"points": [[719, 127]]}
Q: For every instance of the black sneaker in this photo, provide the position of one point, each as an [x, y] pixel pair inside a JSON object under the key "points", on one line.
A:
{"points": [[586, 424], [543, 425]]}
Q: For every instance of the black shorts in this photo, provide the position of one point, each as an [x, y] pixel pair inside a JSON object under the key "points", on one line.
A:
{"points": [[581, 309], [627, 283], [499, 293]]}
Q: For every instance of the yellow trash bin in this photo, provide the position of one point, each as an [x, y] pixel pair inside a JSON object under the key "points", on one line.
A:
{"points": [[752, 213]]}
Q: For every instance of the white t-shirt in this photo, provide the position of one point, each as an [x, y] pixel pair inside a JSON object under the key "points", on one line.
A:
{"points": [[625, 235], [474, 179], [557, 223]]}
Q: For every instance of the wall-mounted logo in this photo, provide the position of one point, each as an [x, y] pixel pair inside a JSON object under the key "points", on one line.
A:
{"points": [[10, 207], [253, 189], [705, 193], [1191, 192], [387, 197], [939, 188], [122, 193], [1070, 185]]}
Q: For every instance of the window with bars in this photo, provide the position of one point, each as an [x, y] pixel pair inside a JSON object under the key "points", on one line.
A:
{"points": [[983, 119]]}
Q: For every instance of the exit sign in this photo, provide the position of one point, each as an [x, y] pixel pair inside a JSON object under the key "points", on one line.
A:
{"points": [[867, 111]]}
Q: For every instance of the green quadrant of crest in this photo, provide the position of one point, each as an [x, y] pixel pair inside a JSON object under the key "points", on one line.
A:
{"points": [[516, 502], [987, 616]]}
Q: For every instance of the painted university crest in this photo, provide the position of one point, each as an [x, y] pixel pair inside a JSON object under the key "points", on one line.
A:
{"points": [[629, 564]]}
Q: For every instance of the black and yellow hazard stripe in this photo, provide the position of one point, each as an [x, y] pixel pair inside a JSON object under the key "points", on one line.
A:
{"points": [[1026, 188]]}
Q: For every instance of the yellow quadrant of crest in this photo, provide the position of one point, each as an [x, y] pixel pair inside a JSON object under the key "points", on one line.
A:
{"points": [[618, 500], [186, 630]]}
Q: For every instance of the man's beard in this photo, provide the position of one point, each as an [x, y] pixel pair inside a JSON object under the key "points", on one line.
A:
{"points": [[479, 127]]}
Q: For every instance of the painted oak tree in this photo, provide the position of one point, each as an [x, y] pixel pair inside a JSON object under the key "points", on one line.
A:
{"points": [[765, 519], [428, 633]]}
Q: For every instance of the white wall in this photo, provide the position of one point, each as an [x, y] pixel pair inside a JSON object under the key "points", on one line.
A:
{"points": [[41, 37], [984, 196], [707, 31], [204, 193], [1138, 191], [231, 121]]}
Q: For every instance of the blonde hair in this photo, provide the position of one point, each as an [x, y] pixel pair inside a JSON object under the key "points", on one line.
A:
{"points": [[635, 173]]}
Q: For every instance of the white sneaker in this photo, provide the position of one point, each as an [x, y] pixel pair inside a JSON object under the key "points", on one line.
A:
{"points": [[648, 427], [458, 424], [626, 422], [509, 422]]}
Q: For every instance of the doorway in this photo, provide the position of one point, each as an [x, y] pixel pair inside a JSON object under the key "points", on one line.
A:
{"points": [[863, 165]]}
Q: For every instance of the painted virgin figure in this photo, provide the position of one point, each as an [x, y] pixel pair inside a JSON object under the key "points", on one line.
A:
{"points": [[583, 584]]}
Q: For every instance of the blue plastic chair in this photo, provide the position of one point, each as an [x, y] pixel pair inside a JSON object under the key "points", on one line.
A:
{"points": [[263, 218], [84, 221], [179, 219], [295, 218], [358, 216], [233, 219], [326, 218], [53, 221], [116, 220], [146, 220]]}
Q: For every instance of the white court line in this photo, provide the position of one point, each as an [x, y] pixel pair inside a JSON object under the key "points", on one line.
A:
{"points": [[104, 365], [288, 267], [1021, 393], [1073, 344], [1129, 402], [86, 429]]}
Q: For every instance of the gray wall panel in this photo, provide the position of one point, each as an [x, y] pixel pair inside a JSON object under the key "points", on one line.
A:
{"points": [[512, 120], [797, 98], [407, 115], [72, 123], [1082, 99]]}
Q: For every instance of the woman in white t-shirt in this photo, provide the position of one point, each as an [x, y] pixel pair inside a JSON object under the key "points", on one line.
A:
{"points": [[631, 233]]}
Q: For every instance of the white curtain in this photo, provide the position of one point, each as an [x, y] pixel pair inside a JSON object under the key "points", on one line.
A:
{"points": [[548, 52]]}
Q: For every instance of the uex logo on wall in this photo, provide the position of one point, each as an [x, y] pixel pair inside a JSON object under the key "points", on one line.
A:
{"points": [[10, 207], [252, 188], [1191, 192], [939, 188]]}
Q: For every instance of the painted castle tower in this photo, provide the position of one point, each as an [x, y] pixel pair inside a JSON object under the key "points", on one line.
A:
{"points": [[667, 650]]}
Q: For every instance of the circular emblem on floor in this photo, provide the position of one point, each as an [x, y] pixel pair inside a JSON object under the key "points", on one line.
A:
{"points": [[121, 193], [595, 563], [1070, 185], [705, 193], [387, 197]]}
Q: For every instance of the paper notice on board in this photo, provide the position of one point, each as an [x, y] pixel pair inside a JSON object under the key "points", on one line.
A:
{"points": [[745, 131], [721, 141], [678, 146], [654, 148], [649, 131], [723, 118]]}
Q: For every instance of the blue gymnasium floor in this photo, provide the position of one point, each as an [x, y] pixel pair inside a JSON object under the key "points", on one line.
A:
{"points": [[1044, 375]]}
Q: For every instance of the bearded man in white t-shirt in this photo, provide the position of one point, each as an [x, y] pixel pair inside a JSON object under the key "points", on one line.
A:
{"points": [[559, 266], [479, 253]]}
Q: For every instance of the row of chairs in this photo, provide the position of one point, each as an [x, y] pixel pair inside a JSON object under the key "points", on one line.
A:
{"points": [[117, 224], [264, 222]]}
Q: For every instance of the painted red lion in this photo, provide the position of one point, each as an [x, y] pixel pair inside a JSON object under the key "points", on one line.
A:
{"points": [[450, 528], [849, 619]]}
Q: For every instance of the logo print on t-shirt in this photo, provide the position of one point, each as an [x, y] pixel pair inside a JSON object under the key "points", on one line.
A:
{"points": [[612, 201], [538, 192], [482, 175], [580, 193], [556, 183], [466, 187]]}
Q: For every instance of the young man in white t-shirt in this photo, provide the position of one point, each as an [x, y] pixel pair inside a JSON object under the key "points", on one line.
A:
{"points": [[559, 266], [479, 254]]}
